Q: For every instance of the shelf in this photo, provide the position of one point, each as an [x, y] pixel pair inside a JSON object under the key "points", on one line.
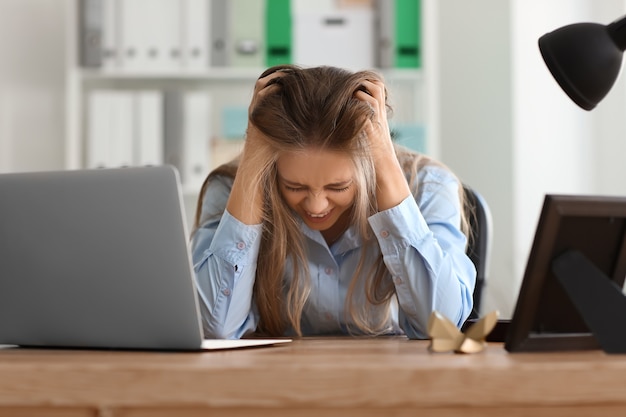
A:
{"points": [[216, 74], [229, 87], [230, 74]]}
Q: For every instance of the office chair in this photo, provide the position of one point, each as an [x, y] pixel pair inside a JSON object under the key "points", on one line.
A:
{"points": [[479, 247]]}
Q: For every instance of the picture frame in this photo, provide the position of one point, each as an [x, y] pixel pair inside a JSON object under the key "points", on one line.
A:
{"points": [[545, 317]]}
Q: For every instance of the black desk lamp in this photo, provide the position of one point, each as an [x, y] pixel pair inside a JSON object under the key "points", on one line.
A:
{"points": [[585, 59]]}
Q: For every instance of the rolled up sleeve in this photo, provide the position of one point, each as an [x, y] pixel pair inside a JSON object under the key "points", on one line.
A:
{"points": [[224, 253], [424, 250]]}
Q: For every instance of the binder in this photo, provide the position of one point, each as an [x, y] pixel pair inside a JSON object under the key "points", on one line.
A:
{"points": [[90, 32], [278, 39], [187, 135], [196, 139], [398, 34], [343, 38], [111, 52], [99, 129], [173, 130], [323, 6], [148, 128], [195, 29], [150, 34], [408, 52], [384, 30], [219, 37], [121, 140], [247, 32], [110, 129]]}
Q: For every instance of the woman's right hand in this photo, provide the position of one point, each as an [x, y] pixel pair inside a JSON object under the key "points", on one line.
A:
{"points": [[245, 202], [263, 87]]}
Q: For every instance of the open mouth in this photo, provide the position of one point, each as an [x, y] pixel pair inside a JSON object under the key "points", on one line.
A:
{"points": [[318, 217]]}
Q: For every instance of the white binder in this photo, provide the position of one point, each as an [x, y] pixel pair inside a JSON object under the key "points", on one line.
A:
{"points": [[99, 129], [122, 137], [384, 33], [188, 135], [196, 138], [195, 31], [150, 34], [344, 38], [148, 128], [90, 33], [247, 33], [111, 52], [220, 42], [110, 129]]}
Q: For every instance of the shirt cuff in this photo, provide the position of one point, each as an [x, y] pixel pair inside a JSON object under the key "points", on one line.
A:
{"points": [[399, 226], [236, 242]]}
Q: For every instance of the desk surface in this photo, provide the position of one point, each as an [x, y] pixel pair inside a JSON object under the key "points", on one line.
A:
{"points": [[347, 376]]}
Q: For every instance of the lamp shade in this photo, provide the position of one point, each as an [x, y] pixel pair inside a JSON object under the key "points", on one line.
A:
{"points": [[585, 59]]}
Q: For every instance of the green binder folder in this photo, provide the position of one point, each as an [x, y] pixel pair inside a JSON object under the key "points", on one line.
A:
{"points": [[278, 32], [408, 19]]}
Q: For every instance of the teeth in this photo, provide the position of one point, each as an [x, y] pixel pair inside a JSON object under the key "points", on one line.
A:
{"points": [[317, 215]]}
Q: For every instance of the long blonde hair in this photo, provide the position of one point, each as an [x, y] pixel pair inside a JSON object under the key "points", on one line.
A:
{"points": [[315, 108]]}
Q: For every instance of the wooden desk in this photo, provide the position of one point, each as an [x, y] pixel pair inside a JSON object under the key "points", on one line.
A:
{"points": [[312, 377]]}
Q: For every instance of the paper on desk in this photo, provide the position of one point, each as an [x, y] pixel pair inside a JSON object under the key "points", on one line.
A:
{"points": [[216, 344]]}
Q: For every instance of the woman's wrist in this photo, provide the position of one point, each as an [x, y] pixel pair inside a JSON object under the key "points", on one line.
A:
{"points": [[391, 185]]}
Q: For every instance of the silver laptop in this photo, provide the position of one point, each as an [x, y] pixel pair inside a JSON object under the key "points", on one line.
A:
{"points": [[98, 259]]}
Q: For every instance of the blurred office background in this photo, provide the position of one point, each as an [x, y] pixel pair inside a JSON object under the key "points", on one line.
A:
{"points": [[491, 110]]}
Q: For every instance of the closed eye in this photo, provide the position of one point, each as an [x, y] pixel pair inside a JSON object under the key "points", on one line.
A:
{"points": [[299, 189], [337, 188], [340, 190], [294, 189]]}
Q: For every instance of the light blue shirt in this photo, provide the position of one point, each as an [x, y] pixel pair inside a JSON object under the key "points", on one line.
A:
{"points": [[420, 240]]}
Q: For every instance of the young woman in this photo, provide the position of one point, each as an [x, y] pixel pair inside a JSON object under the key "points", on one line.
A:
{"points": [[323, 226]]}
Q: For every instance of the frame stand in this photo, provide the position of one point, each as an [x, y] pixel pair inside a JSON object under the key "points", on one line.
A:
{"points": [[600, 302]]}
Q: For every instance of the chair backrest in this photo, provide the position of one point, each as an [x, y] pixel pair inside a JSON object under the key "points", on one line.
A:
{"points": [[479, 248]]}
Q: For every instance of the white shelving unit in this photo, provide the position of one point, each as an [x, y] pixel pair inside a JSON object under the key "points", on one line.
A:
{"points": [[228, 87]]}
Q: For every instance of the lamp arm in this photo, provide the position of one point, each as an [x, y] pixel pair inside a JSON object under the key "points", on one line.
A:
{"points": [[617, 31]]}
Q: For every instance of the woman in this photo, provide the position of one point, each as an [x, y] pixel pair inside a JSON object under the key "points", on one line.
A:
{"points": [[322, 225]]}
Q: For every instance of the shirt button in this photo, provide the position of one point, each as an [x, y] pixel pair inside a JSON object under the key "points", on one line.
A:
{"points": [[384, 234], [398, 280], [328, 316], [328, 270], [226, 292], [241, 245]]}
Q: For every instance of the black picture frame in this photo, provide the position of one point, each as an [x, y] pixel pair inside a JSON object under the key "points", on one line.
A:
{"points": [[545, 318]]}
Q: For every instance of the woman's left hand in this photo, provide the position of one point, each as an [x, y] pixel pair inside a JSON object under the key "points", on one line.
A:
{"points": [[377, 128], [392, 186]]}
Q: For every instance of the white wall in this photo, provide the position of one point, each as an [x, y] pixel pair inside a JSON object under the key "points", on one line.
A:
{"points": [[32, 45], [475, 127], [610, 120], [551, 135]]}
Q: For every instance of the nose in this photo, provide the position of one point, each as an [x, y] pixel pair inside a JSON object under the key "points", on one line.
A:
{"points": [[316, 203]]}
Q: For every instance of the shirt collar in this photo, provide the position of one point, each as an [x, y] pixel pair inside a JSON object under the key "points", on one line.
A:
{"points": [[349, 240]]}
